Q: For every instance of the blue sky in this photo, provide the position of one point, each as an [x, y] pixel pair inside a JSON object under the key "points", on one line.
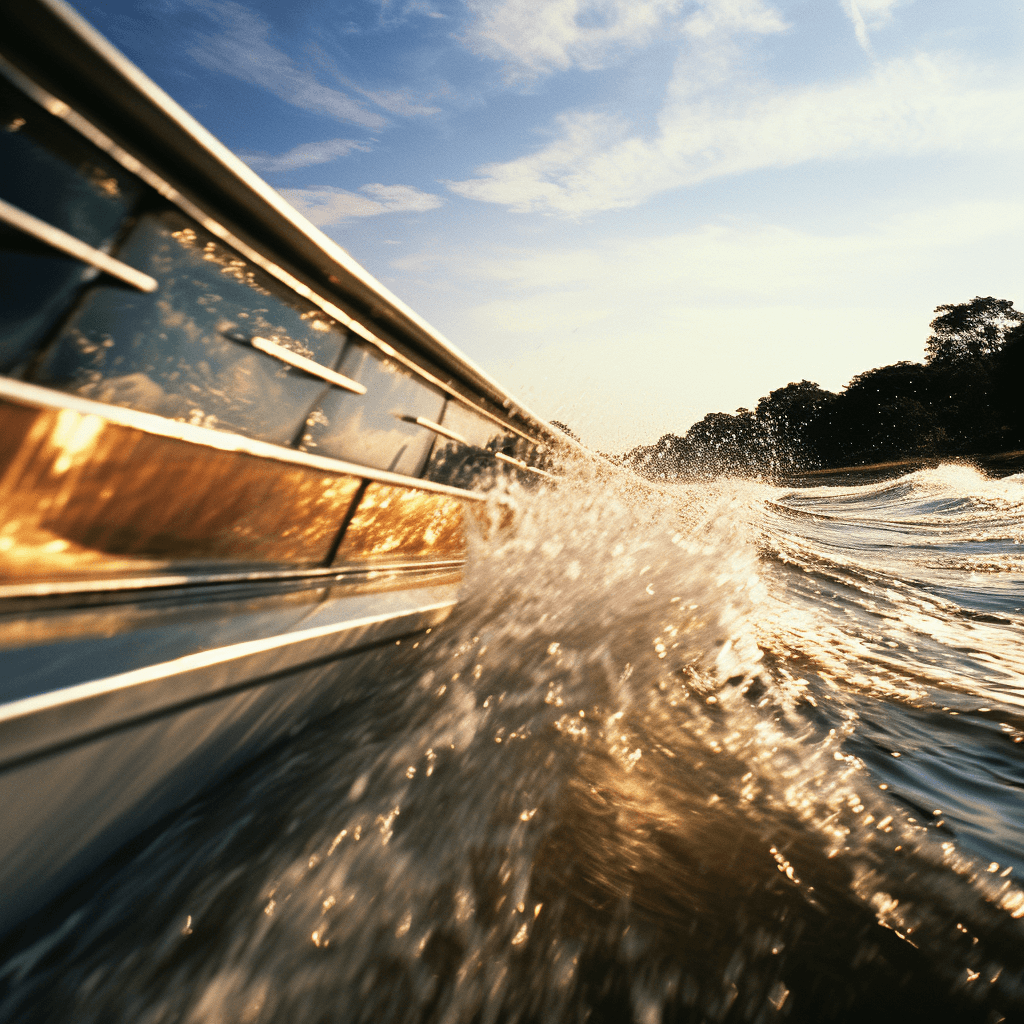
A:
{"points": [[631, 212]]}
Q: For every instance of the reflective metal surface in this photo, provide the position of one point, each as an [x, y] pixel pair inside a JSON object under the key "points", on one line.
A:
{"points": [[45, 649], [436, 428], [286, 355], [52, 174], [68, 245], [166, 353], [393, 522], [469, 458], [346, 280], [436, 344], [41, 722], [88, 591], [460, 465], [83, 495], [35, 397], [378, 428], [48, 644], [475, 429], [66, 811]]}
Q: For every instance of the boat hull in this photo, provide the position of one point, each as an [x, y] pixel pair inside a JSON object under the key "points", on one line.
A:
{"points": [[235, 470]]}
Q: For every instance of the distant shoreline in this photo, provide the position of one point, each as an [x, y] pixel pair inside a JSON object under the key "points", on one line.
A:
{"points": [[1000, 464]]}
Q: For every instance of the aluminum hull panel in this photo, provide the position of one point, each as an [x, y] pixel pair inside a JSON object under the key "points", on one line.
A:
{"points": [[85, 784]]}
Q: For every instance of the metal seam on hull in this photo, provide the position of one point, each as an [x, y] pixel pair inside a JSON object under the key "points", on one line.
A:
{"points": [[33, 395], [346, 522], [68, 245], [308, 646]]}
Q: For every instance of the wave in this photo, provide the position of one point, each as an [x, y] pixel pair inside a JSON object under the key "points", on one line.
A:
{"points": [[938, 496], [726, 752]]}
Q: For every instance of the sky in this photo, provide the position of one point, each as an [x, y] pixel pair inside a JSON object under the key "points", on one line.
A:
{"points": [[630, 212]]}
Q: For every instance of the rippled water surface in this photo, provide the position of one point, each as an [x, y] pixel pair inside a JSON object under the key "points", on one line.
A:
{"points": [[705, 753]]}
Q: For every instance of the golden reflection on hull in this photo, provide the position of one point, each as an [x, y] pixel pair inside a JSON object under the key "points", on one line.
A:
{"points": [[395, 522], [80, 495]]}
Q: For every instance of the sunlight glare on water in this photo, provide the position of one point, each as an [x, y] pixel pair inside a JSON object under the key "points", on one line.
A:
{"points": [[722, 752]]}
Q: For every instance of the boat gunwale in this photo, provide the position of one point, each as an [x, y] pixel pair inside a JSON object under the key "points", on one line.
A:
{"points": [[265, 206], [195, 211]]}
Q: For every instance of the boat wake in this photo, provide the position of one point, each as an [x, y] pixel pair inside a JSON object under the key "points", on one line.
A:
{"points": [[722, 753]]}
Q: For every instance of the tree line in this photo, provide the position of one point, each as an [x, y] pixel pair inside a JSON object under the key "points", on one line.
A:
{"points": [[965, 398]]}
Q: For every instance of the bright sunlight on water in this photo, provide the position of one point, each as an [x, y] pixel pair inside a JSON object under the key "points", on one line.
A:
{"points": [[723, 752]]}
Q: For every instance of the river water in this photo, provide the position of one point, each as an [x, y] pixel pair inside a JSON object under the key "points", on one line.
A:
{"points": [[725, 752]]}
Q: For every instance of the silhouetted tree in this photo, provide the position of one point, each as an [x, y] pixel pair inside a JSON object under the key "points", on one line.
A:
{"points": [[787, 418], [965, 398], [969, 330], [1008, 389], [885, 383], [886, 413]]}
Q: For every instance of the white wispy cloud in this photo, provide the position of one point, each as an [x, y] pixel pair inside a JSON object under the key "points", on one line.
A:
{"points": [[534, 37], [734, 16], [868, 16], [326, 205], [242, 49], [747, 261], [597, 162], [307, 155], [398, 101], [392, 12]]}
